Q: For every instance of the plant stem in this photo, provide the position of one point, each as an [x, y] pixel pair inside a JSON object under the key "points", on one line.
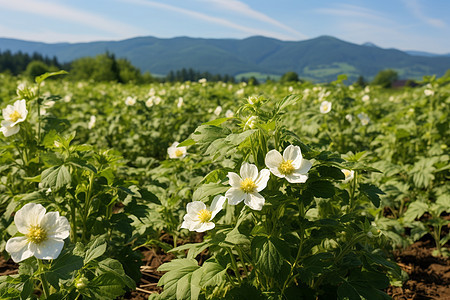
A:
{"points": [[241, 257], [43, 280], [234, 265]]}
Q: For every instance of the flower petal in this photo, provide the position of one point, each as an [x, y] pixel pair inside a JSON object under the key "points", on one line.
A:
{"points": [[234, 179], [205, 226], [255, 201], [217, 205], [261, 181], [304, 167], [291, 152], [273, 159], [297, 178], [249, 171], [194, 207], [18, 248], [235, 196], [49, 249], [9, 131], [30, 214], [56, 226]]}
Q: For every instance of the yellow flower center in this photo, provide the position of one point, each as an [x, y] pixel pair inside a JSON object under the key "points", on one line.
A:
{"points": [[178, 153], [15, 116], [36, 235], [286, 167], [248, 186], [204, 215], [347, 173]]}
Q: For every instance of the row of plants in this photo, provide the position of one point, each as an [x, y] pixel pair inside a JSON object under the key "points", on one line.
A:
{"points": [[303, 190]]}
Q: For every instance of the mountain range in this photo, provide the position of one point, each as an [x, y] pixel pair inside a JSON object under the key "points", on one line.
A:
{"points": [[319, 59]]}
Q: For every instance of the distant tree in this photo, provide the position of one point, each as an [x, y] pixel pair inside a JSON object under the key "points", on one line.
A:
{"points": [[385, 78], [361, 81], [253, 81], [36, 68], [105, 67], [289, 77]]}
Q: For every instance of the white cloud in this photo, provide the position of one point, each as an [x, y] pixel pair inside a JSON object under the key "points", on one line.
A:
{"points": [[353, 11], [210, 19], [244, 9], [66, 13], [415, 8]]}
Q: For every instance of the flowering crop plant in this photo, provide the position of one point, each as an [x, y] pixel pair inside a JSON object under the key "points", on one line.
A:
{"points": [[218, 190]]}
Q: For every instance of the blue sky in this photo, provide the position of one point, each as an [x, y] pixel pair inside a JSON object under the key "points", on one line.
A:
{"points": [[422, 25]]}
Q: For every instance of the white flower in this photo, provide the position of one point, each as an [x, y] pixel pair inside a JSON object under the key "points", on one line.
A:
{"points": [[180, 102], [149, 102], [92, 121], [157, 100], [218, 110], [229, 113], [428, 92], [364, 118], [351, 87], [198, 217], [349, 175], [176, 152], [325, 107], [240, 92], [202, 80], [130, 101], [152, 92], [349, 117], [365, 98], [291, 165], [67, 98], [12, 115], [290, 89], [247, 186], [251, 122], [44, 233]]}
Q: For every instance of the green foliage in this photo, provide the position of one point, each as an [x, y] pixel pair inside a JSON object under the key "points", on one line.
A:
{"points": [[385, 78]]}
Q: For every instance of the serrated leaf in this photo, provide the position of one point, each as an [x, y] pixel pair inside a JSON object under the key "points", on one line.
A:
{"points": [[114, 267], [415, 210], [62, 268], [321, 188], [371, 192], [188, 142], [56, 177], [266, 255], [96, 249]]}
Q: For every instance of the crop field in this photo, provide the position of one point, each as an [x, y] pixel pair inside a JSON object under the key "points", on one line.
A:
{"points": [[212, 190]]}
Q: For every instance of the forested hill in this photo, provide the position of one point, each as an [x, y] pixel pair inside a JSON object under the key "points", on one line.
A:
{"points": [[319, 59]]}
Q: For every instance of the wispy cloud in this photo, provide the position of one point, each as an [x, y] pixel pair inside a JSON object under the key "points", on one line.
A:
{"points": [[244, 9], [353, 11], [210, 19], [415, 8], [61, 12]]}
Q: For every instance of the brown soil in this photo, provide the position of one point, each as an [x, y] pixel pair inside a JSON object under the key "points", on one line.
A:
{"points": [[429, 276]]}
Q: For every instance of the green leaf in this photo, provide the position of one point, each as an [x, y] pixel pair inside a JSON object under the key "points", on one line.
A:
{"points": [[56, 177], [95, 250], [321, 188], [63, 268], [114, 267], [371, 192], [177, 281], [330, 172], [104, 287], [415, 210], [209, 189], [266, 255], [44, 76], [213, 274], [188, 142], [216, 122], [288, 100], [80, 163]]}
